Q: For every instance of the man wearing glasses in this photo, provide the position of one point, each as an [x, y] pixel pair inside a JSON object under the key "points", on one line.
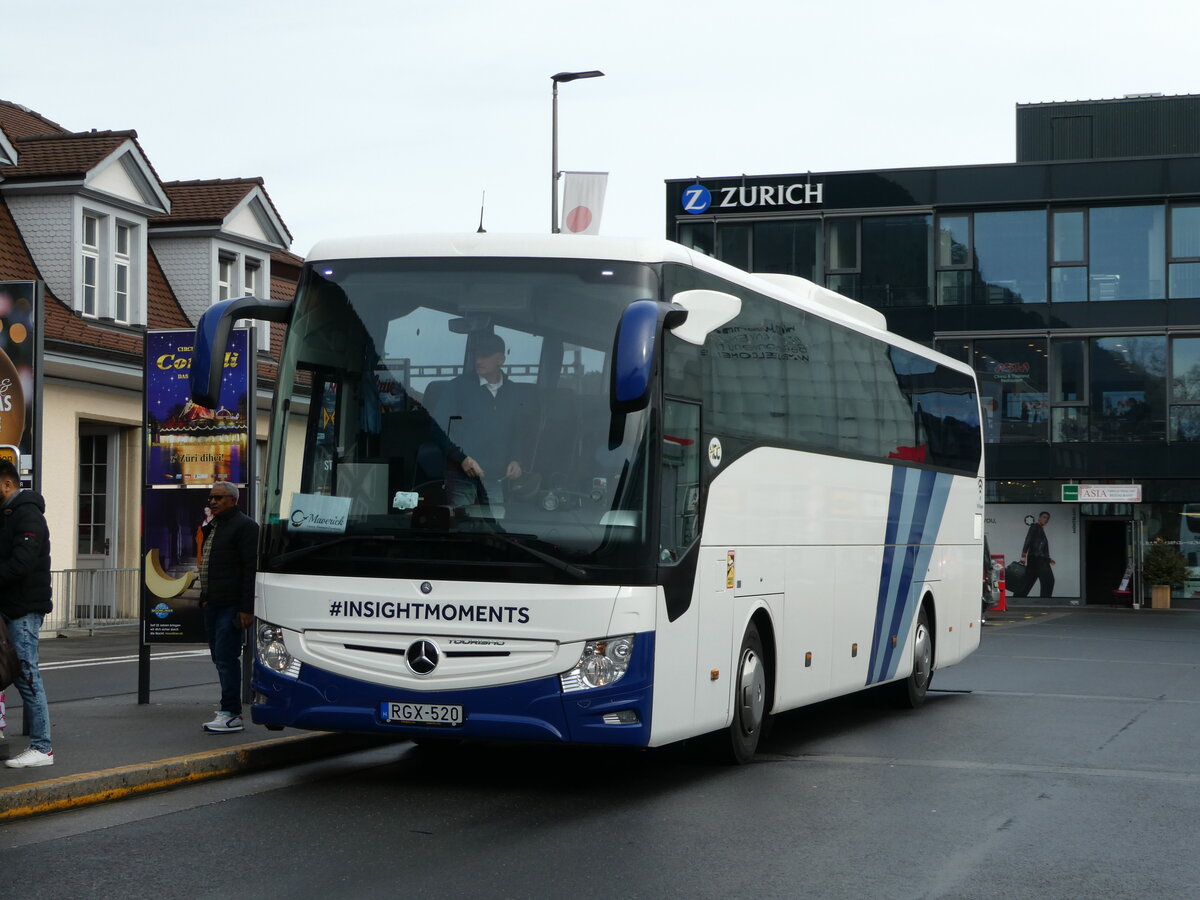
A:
{"points": [[227, 567]]}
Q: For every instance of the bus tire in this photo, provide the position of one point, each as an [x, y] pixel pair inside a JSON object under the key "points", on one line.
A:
{"points": [[749, 699], [909, 693]]}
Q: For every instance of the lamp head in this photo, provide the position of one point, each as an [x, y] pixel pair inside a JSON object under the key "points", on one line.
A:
{"points": [[563, 77]]}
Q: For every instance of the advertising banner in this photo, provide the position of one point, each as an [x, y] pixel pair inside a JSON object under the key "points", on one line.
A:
{"points": [[188, 444], [20, 341], [188, 447], [1009, 532]]}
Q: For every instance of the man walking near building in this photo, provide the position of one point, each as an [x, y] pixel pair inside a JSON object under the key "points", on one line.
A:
{"points": [[227, 567], [24, 603]]}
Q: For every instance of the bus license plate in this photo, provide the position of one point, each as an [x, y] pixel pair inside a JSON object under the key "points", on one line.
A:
{"points": [[423, 713]]}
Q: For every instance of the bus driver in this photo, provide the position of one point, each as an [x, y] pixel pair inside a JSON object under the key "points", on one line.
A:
{"points": [[484, 417]]}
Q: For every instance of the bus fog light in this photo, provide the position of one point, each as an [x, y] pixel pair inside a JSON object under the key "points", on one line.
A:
{"points": [[272, 652], [621, 717], [603, 662]]}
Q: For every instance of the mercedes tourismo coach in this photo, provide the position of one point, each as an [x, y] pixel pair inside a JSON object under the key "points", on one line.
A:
{"points": [[601, 491]]}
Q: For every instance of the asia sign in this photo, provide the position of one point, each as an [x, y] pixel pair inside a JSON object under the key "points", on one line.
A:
{"points": [[1101, 493]]}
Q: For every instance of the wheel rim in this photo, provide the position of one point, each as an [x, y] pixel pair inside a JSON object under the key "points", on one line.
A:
{"points": [[922, 656], [752, 692]]}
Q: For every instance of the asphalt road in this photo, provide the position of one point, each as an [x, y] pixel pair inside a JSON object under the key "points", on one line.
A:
{"points": [[1057, 762]]}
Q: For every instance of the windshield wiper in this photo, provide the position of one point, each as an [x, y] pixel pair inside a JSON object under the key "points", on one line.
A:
{"points": [[503, 540], [324, 545]]}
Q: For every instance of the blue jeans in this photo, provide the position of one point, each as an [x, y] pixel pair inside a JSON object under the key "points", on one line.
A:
{"points": [[24, 634], [225, 647]]}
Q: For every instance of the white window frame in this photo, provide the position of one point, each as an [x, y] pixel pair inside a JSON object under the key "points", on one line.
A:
{"points": [[226, 268], [90, 253], [123, 263], [251, 270]]}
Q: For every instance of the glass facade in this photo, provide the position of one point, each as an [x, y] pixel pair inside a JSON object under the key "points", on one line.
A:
{"points": [[1073, 290]]}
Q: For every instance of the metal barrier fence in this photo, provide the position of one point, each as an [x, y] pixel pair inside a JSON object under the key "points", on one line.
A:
{"points": [[93, 598]]}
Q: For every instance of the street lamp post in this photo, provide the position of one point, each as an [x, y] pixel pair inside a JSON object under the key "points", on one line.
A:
{"points": [[555, 79]]}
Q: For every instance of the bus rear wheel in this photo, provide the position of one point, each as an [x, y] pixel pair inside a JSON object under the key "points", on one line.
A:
{"points": [[910, 692], [749, 699]]}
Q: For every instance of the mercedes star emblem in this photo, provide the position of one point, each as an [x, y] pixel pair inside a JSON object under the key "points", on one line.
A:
{"points": [[422, 657]]}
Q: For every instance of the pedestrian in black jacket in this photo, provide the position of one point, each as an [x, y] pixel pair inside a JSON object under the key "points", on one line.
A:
{"points": [[227, 567], [25, 601]]}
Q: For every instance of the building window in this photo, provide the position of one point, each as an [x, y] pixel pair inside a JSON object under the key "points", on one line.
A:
{"points": [[250, 279], [733, 245], [225, 277], [790, 248], [1126, 246], [91, 263], [1128, 376], [894, 260], [992, 257], [121, 270], [92, 535], [1068, 391], [1185, 389], [1184, 264], [841, 256], [1068, 261], [1009, 250], [954, 280], [698, 236], [1012, 386]]}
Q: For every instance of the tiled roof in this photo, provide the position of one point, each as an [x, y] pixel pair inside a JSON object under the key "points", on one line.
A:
{"points": [[15, 261], [17, 122], [209, 201], [195, 202], [63, 156]]}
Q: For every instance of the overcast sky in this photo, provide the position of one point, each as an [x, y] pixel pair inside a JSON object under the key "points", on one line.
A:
{"points": [[370, 116]]}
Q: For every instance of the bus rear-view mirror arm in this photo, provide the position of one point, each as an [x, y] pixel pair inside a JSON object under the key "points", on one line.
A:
{"points": [[212, 340]]}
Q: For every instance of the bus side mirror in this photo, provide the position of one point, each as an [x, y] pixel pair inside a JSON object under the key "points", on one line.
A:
{"points": [[706, 312], [634, 356], [212, 339]]}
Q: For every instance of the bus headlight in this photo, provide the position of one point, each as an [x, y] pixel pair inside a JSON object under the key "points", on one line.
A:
{"points": [[272, 652], [603, 662]]}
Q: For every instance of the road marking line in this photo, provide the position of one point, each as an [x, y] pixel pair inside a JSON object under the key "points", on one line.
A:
{"points": [[115, 660]]}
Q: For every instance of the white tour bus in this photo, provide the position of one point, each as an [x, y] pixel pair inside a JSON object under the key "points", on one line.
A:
{"points": [[694, 498]]}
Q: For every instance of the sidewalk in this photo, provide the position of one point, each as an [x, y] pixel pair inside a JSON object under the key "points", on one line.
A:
{"points": [[108, 748]]}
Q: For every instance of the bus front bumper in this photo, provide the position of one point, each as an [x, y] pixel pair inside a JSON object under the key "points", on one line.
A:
{"points": [[536, 710]]}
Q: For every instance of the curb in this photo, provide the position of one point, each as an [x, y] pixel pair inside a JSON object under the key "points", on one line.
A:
{"points": [[89, 788]]}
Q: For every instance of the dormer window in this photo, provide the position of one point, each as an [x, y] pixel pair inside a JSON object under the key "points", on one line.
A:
{"points": [[225, 277], [250, 281], [121, 272], [111, 267], [91, 264]]}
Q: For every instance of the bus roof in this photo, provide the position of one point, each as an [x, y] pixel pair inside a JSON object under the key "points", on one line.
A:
{"points": [[790, 289]]}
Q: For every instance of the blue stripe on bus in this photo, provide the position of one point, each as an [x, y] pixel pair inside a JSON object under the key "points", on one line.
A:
{"points": [[915, 508]]}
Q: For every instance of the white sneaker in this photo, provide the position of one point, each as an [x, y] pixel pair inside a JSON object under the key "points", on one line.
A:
{"points": [[223, 723], [31, 759]]}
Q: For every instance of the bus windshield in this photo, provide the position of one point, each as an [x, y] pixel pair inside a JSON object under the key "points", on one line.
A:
{"points": [[457, 417]]}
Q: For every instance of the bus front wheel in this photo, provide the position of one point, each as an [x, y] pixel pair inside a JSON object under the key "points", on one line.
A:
{"points": [[749, 698]]}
